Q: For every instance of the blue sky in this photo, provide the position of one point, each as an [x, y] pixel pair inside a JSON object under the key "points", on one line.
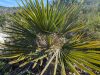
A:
{"points": [[8, 3], [11, 3]]}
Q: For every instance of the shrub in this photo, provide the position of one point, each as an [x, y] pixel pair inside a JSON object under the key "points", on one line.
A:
{"points": [[40, 40]]}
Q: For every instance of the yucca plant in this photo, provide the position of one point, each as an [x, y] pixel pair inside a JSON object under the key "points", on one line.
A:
{"points": [[51, 36]]}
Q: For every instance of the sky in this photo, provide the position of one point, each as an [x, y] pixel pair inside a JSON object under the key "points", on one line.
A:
{"points": [[11, 3]]}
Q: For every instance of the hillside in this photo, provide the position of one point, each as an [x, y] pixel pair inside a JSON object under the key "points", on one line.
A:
{"points": [[6, 10]]}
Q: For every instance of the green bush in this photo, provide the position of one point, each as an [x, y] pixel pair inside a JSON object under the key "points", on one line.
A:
{"points": [[2, 20], [39, 40]]}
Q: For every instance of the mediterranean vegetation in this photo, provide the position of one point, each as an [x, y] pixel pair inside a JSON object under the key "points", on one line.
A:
{"points": [[59, 37]]}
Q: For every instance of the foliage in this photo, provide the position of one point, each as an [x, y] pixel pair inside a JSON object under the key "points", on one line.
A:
{"points": [[2, 20], [93, 24], [39, 39], [92, 20], [67, 1]]}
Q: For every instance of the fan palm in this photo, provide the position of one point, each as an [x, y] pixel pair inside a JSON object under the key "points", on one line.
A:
{"points": [[51, 33]]}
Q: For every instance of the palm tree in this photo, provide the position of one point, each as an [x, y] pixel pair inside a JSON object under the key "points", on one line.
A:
{"points": [[50, 35]]}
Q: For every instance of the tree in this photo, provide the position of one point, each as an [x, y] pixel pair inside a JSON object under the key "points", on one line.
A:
{"points": [[39, 39]]}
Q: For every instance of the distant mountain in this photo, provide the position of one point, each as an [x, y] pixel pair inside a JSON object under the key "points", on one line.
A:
{"points": [[7, 10]]}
